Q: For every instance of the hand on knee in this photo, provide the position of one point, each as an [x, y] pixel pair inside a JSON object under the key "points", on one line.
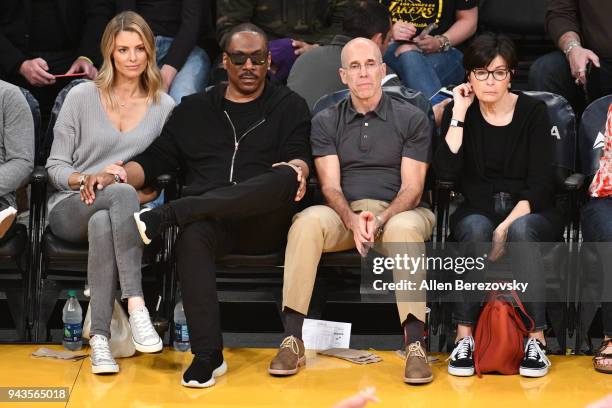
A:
{"points": [[521, 231]]}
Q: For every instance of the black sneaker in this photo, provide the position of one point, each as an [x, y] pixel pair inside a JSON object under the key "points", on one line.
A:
{"points": [[203, 370], [461, 362], [535, 363], [152, 222]]}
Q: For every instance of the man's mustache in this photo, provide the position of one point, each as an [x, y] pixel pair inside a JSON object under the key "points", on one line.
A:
{"points": [[248, 74]]}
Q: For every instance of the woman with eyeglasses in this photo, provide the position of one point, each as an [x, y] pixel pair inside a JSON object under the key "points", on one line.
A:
{"points": [[497, 147]]}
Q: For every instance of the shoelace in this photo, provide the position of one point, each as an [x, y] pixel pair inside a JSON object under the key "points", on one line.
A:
{"points": [[143, 324], [291, 343], [415, 350], [100, 349], [463, 349], [534, 352]]}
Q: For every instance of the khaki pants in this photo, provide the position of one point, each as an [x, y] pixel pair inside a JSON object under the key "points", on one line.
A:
{"points": [[320, 229]]}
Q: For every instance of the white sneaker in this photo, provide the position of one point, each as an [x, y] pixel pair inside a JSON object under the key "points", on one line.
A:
{"points": [[144, 336], [102, 362], [7, 218]]}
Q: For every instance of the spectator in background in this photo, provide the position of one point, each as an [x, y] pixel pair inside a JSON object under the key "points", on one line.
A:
{"points": [[308, 22], [43, 38], [315, 74], [16, 152], [101, 123], [299, 25], [428, 62], [582, 32], [176, 24]]}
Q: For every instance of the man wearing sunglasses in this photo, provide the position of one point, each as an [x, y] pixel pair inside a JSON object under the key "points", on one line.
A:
{"points": [[244, 154]]}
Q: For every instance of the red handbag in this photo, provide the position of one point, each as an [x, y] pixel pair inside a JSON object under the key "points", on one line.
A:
{"points": [[499, 335]]}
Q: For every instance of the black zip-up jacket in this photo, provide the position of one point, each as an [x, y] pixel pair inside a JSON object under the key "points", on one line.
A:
{"points": [[199, 142]]}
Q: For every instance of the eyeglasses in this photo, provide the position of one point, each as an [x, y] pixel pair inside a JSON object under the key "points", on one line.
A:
{"points": [[257, 58], [482, 74], [355, 67]]}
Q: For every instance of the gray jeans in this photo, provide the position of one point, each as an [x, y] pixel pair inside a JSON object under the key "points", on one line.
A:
{"points": [[115, 247]]}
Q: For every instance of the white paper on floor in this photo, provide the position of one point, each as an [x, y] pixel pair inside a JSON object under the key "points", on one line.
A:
{"points": [[323, 334]]}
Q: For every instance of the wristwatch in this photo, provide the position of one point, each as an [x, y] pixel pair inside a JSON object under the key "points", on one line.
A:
{"points": [[456, 123], [445, 44], [380, 228]]}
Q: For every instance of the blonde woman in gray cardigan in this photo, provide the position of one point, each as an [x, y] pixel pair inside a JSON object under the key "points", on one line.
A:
{"points": [[102, 123]]}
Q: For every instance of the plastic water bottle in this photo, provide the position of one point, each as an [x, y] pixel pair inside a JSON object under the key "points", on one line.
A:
{"points": [[181, 333], [72, 316]]}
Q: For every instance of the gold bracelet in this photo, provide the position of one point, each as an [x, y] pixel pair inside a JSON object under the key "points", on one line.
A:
{"points": [[84, 58]]}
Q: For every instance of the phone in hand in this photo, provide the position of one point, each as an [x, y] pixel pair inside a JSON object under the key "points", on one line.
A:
{"points": [[78, 74], [442, 94], [423, 33], [427, 30]]}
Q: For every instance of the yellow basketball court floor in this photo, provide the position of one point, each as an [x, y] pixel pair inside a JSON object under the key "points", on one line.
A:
{"points": [[153, 380]]}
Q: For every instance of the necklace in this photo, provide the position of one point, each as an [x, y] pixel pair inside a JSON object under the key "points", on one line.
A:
{"points": [[122, 104]]}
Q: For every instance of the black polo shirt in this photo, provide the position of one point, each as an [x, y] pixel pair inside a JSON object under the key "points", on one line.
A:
{"points": [[370, 147]]}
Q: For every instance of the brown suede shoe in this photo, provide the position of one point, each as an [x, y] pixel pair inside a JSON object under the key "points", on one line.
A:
{"points": [[289, 358], [417, 369]]}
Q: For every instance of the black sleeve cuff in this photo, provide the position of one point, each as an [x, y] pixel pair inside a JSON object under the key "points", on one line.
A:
{"points": [[149, 169]]}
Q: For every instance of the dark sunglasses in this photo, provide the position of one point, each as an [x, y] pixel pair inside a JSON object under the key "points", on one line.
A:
{"points": [[257, 58]]}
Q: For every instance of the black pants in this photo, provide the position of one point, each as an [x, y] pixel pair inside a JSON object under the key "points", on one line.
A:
{"points": [[475, 232], [251, 217], [9, 234]]}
